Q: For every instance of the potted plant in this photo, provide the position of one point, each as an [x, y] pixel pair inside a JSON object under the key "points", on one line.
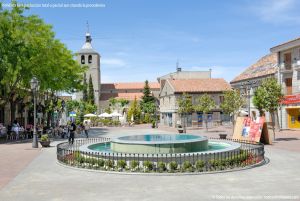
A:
{"points": [[45, 141]]}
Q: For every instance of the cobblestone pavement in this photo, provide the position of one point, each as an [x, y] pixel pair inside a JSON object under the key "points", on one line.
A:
{"points": [[35, 175]]}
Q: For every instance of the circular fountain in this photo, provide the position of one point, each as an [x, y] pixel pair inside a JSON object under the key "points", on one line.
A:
{"points": [[161, 143]]}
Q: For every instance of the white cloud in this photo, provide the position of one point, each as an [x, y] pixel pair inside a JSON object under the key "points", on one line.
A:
{"points": [[277, 11], [113, 62]]}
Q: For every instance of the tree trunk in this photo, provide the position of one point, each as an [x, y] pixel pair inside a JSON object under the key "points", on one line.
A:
{"points": [[277, 121], [233, 122], [12, 111], [273, 123], [206, 122]]}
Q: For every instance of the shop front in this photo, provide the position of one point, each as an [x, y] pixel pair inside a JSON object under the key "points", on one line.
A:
{"points": [[291, 104]]}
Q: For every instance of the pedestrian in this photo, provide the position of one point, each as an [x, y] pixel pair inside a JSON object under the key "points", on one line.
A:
{"points": [[86, 128], [72, 132], [15, 128]]}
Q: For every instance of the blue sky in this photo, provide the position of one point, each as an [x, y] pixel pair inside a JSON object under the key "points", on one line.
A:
{"points": [[142, 39]]}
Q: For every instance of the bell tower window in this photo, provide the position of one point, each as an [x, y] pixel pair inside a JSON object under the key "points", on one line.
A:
{"points": [[82, 59], [90, 59]]}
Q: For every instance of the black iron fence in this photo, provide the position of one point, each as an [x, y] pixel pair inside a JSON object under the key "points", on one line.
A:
{"points": [[249, 154]]}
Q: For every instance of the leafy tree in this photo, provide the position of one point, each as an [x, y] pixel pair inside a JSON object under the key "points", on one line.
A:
{"points": [[85, 90], [233, 102], [147, 103], [28, 48], [80, 107], [135, 111], [267, 97], [205, 104], [185, 107], [91, 96]]}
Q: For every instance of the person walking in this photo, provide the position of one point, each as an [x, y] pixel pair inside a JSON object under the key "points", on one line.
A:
{"points": [[16, 128], [72, 132], [86, 128]]}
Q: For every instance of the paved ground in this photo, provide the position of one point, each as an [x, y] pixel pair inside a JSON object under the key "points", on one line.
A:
{"points": [[44, 179]]}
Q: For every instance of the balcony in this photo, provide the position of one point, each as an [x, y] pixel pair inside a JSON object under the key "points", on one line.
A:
{"points": [[286, 68]]}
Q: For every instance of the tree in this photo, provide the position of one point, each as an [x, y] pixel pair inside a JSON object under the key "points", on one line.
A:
{"points": [[205, 104], [91, 96], [267, 97], [147, 103], [134, 111], [85, 90], [185, 107], [28, 48], [233, 102]]}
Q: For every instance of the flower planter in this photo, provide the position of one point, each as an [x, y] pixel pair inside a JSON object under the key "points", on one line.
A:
{"points": [[45, 143]]}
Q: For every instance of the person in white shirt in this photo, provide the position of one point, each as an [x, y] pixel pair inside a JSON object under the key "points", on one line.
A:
{"points": [[15, 128]]}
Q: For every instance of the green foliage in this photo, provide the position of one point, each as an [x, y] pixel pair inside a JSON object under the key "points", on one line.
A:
{"points": [[45, 138], [85, 90], [135, 111], [267, 97], [134, 164], [100, 162], [91, 96], [28, 48], [173, 165], [107, 110], [185, 105], [233, 101], [200, 165], [161, 166], [187, 166], [121, 164], [80, 108], [109, 163], [148, 165], [205, 104]]}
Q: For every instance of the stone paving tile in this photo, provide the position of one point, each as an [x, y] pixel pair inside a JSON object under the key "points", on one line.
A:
{"points": [[14, 157]]}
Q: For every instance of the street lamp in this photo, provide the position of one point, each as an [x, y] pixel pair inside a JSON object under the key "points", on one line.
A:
{"points": [[34, 83], [248, 86]]}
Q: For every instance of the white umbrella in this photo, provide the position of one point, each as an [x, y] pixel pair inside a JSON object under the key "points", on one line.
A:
{"points": [[243, 113], [116, 114], [105, 115], [90, 115]]}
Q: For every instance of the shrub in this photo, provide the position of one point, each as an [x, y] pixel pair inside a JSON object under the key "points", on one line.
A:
{"points": [[100, 162], [173, 166], [148, 165], [187, 166], [109, 163], [153, 124], [45, 138], [200, 165], [161, 166], [134, 164], [121, 164]]}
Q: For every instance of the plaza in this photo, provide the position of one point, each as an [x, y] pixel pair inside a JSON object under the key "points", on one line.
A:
{"points": [[38, 175]]}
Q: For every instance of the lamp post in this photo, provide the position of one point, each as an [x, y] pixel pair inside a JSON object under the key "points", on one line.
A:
{"points": [[248, 86], [34, 83]]}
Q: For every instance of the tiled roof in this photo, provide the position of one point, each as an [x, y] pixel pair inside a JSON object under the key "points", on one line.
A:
{"points": [[127, 96], [267, 65], [129, 85], [200, 85]]}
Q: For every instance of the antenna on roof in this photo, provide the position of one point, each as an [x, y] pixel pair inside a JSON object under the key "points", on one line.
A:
{"points": [[178, 69], [87, 27]]}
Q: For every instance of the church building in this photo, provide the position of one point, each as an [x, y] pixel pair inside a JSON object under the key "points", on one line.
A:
{"points": [[87, 56]]}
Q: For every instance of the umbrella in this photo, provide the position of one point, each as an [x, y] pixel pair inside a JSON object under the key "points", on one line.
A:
{"points": [[116, 114], [105, 115], [90, 115]]}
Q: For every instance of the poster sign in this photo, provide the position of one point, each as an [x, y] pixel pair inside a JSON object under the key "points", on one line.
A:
{"points": [[251, 130]]}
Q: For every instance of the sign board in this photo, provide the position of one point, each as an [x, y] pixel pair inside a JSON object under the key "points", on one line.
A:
{"points": [[291, 99], [251, 130]]}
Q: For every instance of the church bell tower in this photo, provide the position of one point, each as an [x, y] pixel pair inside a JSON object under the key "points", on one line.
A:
{"points": [[87, 56]]}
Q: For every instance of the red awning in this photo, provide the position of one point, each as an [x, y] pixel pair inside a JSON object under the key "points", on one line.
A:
{"points": [[291, 99]]}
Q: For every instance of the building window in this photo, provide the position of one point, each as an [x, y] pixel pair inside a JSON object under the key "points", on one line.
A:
{"points": [[90, 59], [82, 59], [288, 61], [289, 86], [221, 99], [111, 91]]}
